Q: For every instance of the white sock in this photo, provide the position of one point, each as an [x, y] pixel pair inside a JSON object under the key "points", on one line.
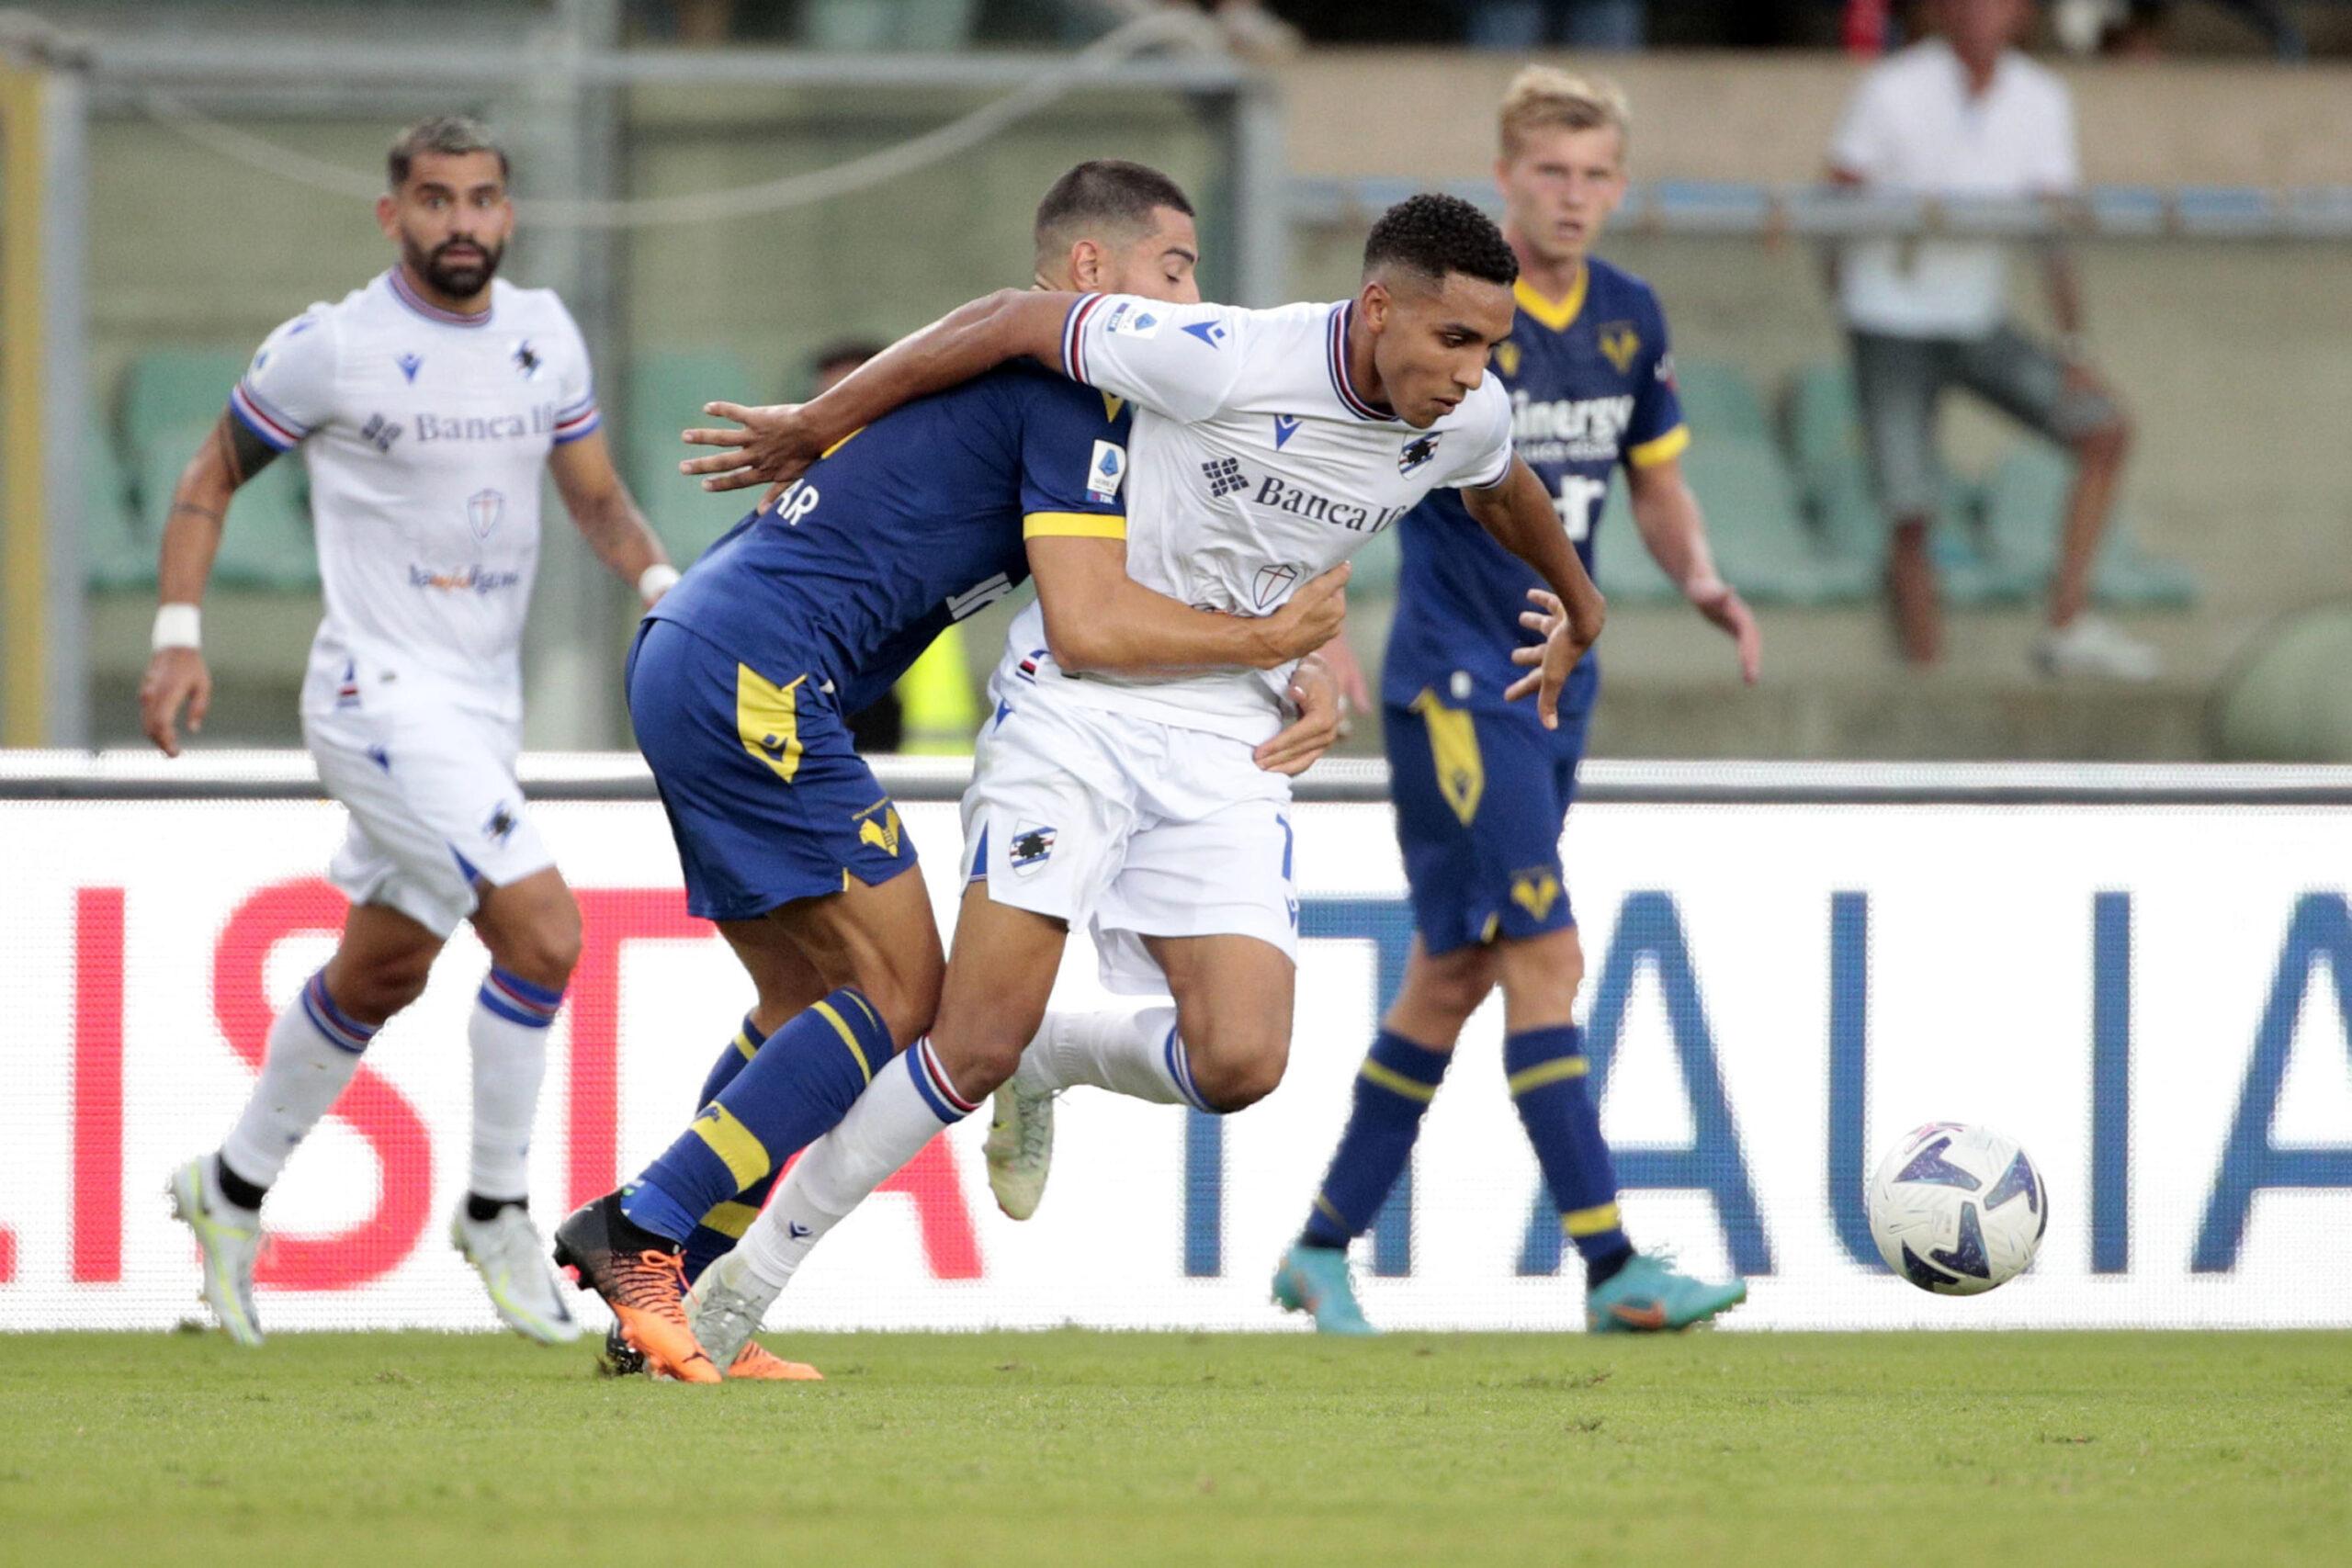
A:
{"points": [[508, 1033], [313, 1050], [903, 1108], [1133, 1054]]}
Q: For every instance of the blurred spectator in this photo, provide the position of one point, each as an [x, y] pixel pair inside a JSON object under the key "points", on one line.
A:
{"points": [[1517, 25], [930, 711], [1250, 30], [1964, 114]]}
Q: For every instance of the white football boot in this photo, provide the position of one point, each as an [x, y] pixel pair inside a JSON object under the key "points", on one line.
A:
{"points": [[230, 1240], [726, 1305], [511, 1256], [1020, 1147]]}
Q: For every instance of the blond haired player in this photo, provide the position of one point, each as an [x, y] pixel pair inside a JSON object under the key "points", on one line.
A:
{"points": [[1480, 789], [426, 404]]}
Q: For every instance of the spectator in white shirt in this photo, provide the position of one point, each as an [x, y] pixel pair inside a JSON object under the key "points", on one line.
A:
{"points": [[1964, 114]]}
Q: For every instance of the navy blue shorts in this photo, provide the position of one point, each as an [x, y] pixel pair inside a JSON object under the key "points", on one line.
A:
{"points": [[767, 797], [1481, 795]]}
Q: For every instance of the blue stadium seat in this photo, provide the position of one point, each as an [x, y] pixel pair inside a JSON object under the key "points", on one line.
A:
{"points": [[666, 391]]}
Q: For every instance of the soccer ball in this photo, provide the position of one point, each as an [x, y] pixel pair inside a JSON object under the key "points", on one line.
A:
{"points": [[1957, 1210]]}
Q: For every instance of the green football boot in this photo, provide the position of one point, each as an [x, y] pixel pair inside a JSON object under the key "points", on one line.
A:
{"points": [[1315, 1279], [1646, 1296]]}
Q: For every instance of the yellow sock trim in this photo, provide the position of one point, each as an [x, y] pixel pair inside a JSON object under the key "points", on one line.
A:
{"points": [[1323, 1206], [746, 1156], [731, 1218], [1590, 1221], [1397, 1083], [849, 1036], [1544, 1073]]}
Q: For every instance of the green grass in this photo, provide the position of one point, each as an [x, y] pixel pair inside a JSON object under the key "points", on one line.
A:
{"points": [[1074, 1447]]}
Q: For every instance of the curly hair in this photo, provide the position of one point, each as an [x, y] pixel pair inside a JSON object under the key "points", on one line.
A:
{"points": [[1434, 235]]}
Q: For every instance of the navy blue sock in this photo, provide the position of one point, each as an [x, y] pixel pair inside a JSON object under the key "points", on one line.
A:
{"points": [[1547, 1069], [1396, 1084], [724, 1225], [795, 1089]]}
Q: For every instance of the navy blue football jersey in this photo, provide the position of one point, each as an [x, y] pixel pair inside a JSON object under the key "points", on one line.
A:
{"points": [[910, 524], [1591, 387]]}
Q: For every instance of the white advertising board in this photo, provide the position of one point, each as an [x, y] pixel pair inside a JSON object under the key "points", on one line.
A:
{"points": [[2152, 999]]}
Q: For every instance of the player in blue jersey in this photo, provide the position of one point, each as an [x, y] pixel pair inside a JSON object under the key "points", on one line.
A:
{"points": [[1480, 788], [806, 611]]}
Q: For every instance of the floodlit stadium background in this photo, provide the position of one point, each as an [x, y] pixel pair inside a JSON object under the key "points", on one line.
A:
{"points": [[2141, 971]]}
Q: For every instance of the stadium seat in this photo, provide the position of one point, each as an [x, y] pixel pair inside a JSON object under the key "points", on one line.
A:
{"points": [[1761, 544], [1621, 564], [667, 388], [267, 542], [118, 550], [1852, 527], [1720, 401], [166, 389], [2024, 509], [1757, 528], [1824, 428], [2286, 699]]}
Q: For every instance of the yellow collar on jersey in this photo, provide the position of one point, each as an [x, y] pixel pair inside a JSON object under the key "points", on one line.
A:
{"points": [[1554, 313]]}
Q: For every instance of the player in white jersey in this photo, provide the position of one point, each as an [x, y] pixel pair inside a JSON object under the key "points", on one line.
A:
{"points": [[426, 405], [1268, 446]]}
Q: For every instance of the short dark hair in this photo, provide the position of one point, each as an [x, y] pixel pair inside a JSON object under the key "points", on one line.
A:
{"points": [[1436, 234], [450, 133], [1104, 190]]}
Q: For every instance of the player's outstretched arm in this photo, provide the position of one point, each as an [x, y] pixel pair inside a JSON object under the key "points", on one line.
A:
{"points": [[1520, 516], [777, 442], [176, 677], [1667, 518], [607, 515], [1098, 620]]}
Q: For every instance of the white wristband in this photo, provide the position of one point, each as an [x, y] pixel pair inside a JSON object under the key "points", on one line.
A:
{"points": [[655, 580], [176, 626]]}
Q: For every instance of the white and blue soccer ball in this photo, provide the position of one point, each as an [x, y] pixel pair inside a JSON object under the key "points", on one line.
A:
{"points": [[1957, 1210]]}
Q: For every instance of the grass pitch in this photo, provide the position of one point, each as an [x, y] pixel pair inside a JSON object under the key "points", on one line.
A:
{"points": [[1077, 1448]]}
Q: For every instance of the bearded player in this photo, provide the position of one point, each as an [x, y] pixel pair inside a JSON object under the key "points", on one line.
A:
{"points": [[426, 406]]}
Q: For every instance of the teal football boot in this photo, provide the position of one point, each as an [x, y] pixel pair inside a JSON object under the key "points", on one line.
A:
{"points": [[1646, 1296], [1315, 1279]]}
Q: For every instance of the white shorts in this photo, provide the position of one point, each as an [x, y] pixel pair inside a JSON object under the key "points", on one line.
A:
{"points": [[1130, 826], [435, 808]]}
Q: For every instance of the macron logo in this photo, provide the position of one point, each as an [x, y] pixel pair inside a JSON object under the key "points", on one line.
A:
{"points": [[1210, 333], [1285, 426]]}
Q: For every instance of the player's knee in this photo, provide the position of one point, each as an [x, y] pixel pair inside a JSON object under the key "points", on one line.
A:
{"points": [[1542, 975], [545, 951], [374, 994], [977, 1065], [907, 996], [2107, 443], [1236, 1078], [1454, 985]]}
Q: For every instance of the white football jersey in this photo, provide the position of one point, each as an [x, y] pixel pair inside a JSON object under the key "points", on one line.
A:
{"points": [[425, 433], [1255, 465]]}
